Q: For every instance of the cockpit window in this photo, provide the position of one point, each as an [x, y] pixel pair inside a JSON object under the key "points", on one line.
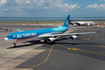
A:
{"points": [[9, 36]]}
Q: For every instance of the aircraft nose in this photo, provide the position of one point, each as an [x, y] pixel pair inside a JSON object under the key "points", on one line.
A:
{"points": [[6, 39]]}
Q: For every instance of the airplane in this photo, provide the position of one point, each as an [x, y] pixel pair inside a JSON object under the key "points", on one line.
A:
{"points": [[86, 22], [48, 35], [80, 23]]}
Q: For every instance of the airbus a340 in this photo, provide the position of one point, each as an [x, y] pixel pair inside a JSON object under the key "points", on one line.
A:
{"points": [[49, 34]]}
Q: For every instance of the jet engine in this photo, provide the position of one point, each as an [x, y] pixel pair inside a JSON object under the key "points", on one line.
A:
{"points": [[73, 37], [50, 40]]}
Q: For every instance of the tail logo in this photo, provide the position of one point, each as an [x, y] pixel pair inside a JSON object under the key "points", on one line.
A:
{"points": [[67, 23]]}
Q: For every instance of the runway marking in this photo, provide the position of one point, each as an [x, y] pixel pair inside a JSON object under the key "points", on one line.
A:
{"points": [[85, 38], [43, 61], [53, 50], [101, 46], [68, 48], [79, 37], [87, 44], [27, 51], [77, 49], [38, 50], [96, 34], [91, 30]]}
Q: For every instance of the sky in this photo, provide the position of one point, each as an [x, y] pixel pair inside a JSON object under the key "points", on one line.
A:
{"points": [[52, 8]]}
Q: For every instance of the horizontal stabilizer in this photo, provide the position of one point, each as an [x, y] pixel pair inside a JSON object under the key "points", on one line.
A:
{"points": [[19, 30]]}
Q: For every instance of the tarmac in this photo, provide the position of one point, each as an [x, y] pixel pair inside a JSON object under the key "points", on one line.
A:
{"points": [[85, 53]]}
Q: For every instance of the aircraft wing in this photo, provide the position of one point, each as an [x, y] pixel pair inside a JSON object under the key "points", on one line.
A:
{"points": [[67, 34]]}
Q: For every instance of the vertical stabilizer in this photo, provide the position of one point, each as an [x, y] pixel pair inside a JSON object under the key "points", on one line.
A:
{"points": [[66, 23]]}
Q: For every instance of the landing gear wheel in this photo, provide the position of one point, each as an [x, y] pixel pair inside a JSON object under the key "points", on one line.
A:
{"points": [[45, 41], [53, 42], [37, 40], [14, 44]]}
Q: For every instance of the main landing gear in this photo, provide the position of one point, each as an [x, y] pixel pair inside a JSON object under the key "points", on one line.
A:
{"points": [[14, 44]]}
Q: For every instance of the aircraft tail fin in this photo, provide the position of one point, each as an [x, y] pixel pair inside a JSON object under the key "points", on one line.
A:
{"points": [[66, 23]]}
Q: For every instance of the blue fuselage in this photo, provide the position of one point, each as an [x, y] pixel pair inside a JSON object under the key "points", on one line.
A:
{"points": [[33, 33], [23, 36]]}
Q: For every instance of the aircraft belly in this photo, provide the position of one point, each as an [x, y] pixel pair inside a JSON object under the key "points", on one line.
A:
{"points": [[27, 39], [11, 40]]}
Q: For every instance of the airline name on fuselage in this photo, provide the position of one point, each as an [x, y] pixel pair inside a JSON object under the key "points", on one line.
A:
{"points": [[26, 35]]}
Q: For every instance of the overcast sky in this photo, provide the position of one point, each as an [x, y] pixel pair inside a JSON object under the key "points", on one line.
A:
{"points": [[52, 8]]}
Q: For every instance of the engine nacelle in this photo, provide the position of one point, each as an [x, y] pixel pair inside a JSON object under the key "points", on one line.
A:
{"points": [[50, 40], [73, 37]]}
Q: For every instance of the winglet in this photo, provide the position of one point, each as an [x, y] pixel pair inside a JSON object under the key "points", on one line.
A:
{"points": [[98, 31]]}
